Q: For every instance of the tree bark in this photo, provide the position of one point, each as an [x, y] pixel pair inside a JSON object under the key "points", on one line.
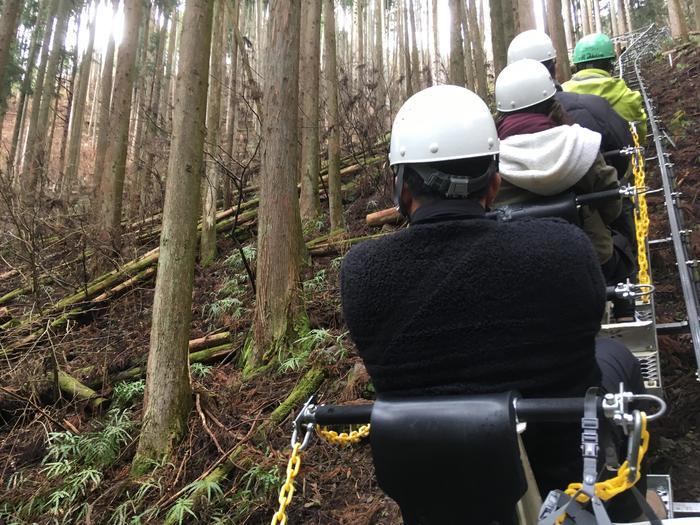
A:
{"points": [[335, 199], [105, 107], [456, 46], [9, 21], [498, 46], [679, 28], [585, 17], [596, 16], [556, 31], [410, 87], [207, 251], [22, 105], [232, 105], [568, 24], [71, 174], [378, 70], [478, 49], [37, 143], [526, 15], [309, 63], [278, 309], [167, 400], [109, 201], [415, 62], [436, 42], [361, 43], [466, 41], [696, 4]]}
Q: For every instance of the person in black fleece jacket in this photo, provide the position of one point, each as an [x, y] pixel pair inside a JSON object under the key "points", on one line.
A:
{"points": [[461, 304]]}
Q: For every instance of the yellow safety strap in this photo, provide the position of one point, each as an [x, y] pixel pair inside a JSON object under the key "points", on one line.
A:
{"points": [[612, 487], [344, 438], [287, 490], [641, 213]]}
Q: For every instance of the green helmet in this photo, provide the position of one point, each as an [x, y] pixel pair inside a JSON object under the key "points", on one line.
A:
{"points": [[595, 46]]}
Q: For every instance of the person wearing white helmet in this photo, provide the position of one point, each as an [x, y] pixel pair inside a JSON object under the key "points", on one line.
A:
{"points": [[458, 303], [589, 111], [542, 155]]}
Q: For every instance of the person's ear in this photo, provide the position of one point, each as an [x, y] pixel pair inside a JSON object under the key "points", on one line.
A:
{"points": [[492, 191]]}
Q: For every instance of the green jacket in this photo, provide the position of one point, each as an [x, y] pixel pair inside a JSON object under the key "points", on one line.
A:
{"points": [[628, 103]]}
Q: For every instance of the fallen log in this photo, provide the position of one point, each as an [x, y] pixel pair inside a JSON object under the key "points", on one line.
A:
{"points": [[340, 245], [76, 390], [387, 216]]}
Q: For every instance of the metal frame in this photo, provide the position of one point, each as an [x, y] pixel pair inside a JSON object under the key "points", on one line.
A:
{"points": [[683, 260]]}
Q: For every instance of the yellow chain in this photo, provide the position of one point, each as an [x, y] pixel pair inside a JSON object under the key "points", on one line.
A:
{"points": [[620, 483], [344, 438], [287, 490], [641, 214]]}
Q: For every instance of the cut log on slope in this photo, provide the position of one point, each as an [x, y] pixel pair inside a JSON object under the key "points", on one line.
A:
{"points": [[387, 216]]}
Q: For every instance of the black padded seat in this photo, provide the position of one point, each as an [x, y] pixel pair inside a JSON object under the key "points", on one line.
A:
{"points": [[449, 460]]}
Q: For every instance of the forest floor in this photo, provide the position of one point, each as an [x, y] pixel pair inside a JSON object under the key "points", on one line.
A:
{"points": [[47, 478]]}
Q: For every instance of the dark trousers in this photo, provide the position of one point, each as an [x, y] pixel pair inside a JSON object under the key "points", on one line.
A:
{"points": [[617, 364]]}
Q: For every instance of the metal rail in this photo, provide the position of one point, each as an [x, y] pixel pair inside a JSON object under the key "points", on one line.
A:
{"points": [[647, 43]]}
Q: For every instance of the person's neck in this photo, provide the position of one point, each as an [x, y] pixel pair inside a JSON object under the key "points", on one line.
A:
{"points": [[446, 210]]}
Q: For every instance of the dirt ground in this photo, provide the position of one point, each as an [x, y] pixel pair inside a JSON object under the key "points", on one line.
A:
{"points": [[677, 441], [335, 486]]}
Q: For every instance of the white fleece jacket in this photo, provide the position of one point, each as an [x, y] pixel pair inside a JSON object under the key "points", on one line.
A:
{"points": [[551, 161]]}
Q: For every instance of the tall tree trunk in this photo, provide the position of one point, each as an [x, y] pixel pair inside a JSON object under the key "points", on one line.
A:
{"points": [[207, 253], [696, 5], [105, 107], [20, 120], [619, 10], [9, 21], [410, 86], [415, 62], [76, 127], [456, 46], [309, 204], [70, 99], [679, 28], [509, 8], [628, 15], [168, 397], [498, 45], [436, 42], [478, 49], [556, 31], [526, 15], [167, 95], [38, 145], [140, 108], [585, 17], [278, 307], [108, 208], [467, 38], [378, 72], [232, 104], [568, 24], [335, 199], [596, 16], [154, 117], [361, 43]]}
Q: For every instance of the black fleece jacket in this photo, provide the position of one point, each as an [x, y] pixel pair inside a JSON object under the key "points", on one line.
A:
{"points": [[596, 113], [466, 305]]}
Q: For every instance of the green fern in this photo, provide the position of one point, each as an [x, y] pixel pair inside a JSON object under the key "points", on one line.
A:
{"points": [[181, 510], [235, 262], [200, 370], [125, 393], [317, 283]]}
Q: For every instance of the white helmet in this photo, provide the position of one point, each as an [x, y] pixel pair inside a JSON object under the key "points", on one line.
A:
{"points": [[442, 123], [523, 84], [532, 44]]}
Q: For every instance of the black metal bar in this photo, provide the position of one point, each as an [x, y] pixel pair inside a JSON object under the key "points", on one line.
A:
{"points": [[547, 409]]}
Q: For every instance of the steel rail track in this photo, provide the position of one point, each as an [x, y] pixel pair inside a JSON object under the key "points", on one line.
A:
{"points": [[645, 45]]}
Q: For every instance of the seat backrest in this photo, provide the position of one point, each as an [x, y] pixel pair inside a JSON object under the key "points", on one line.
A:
{"points": [[449, 460]]}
